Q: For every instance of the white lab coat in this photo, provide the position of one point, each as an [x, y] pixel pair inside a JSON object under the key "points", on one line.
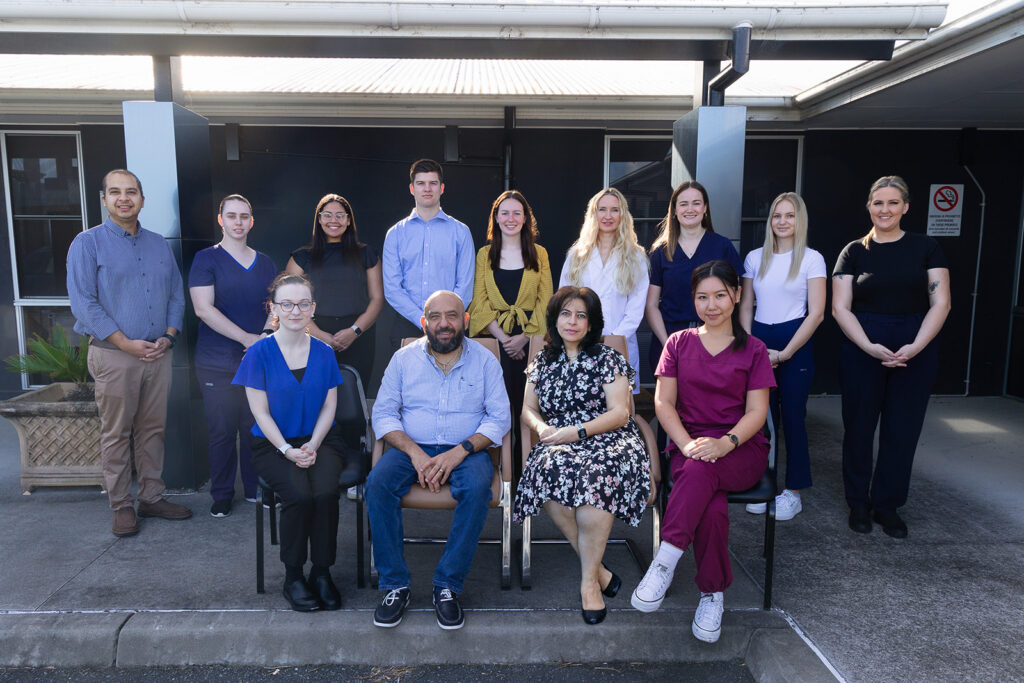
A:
{"points": [[622, 312]]}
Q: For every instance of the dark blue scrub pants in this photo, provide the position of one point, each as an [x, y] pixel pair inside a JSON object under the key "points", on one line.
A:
{"points": [[227, 416], [789, 401], [899, 396]]}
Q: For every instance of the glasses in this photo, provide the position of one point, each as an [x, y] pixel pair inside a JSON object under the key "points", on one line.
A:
{"points": [[327, 215], [287, 306]]}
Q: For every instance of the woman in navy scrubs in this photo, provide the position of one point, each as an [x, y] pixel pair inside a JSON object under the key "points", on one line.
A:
{"points": [[687, 240], [890, 296], [291, 382], [228, 284]]}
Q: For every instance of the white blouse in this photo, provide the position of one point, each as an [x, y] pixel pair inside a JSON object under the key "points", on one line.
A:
{"points": [[778, 299], [622, 312]]}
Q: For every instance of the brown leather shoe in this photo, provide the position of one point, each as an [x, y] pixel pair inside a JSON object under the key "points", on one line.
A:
{"points": [[164, 509], [125, 523]]}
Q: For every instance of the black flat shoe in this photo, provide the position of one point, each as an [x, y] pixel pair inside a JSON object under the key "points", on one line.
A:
{"points": [[891, 523], [860, 520], [326, 593], [614, 584], [594, 616], [300, 597]]}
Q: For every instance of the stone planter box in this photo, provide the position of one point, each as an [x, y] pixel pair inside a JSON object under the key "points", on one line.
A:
{"points": [[60, 440]]}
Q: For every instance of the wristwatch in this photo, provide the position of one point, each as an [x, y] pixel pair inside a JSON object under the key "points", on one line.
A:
{"points": [[468, 445], [735, 440], [285, 448], [355, 328], [581, 431], [171, 338]]}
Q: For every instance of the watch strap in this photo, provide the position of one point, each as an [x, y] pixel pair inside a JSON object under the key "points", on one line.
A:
{"points": [[171, 338], [735, 440], [285, 448], [468, 445], [356, 329], [581, 431]]}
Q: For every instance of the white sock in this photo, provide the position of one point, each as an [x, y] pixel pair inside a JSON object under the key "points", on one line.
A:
{"points": [[668, 555]]}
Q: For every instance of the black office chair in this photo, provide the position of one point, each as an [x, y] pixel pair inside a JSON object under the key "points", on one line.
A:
{"points": [[352, 419], [764, 491]]}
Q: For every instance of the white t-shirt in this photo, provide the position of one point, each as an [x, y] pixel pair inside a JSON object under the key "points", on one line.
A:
{"points": [[779, 300]]}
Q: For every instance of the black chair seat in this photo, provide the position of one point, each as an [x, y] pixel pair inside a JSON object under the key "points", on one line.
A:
{"points": [[758, 493]]}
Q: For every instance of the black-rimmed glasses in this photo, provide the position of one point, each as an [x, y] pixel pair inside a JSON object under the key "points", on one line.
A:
{"points": [[287, 306]]}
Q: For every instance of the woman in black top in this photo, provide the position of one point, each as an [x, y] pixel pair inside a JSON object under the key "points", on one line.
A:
{"points": [[347, 275], [890, 296]]}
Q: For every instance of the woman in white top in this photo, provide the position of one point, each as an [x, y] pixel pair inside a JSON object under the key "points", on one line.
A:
{"points": [[608, 259], [786, 280]]}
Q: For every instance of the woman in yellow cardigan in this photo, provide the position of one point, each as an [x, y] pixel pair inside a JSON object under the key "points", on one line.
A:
{"points": [[510, 293]]}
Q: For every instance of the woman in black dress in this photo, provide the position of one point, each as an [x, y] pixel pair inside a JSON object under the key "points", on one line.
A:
{"points": [[591, 462], [347, 275]]}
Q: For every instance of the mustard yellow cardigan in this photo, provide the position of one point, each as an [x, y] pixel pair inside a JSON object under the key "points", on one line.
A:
{"points": [[534, 292]]}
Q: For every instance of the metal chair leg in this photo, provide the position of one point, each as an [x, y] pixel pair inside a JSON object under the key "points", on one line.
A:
{"points": [[259, 541], [655, 531], [769, 554], [273, 516], [360, 549], [525, 580], [506, 535]]}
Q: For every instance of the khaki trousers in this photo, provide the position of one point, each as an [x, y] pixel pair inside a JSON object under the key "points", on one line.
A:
{"points": [[131, 395]]}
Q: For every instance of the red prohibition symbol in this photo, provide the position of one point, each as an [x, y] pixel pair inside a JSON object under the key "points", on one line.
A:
{"points": [[945, 198]]}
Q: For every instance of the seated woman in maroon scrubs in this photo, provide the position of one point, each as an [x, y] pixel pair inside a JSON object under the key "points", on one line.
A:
{"points": [[712, 400]]}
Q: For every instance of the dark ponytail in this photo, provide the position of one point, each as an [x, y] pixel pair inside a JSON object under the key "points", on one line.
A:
{"points": [[724, 271]]}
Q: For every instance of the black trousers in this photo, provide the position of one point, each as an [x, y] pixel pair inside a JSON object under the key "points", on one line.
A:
{"points": [[892, 399], [400, 329], [309, 499], [360, 354]]}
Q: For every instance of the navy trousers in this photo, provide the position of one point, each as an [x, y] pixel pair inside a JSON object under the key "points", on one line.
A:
{"points": [[227, 417], [789, 401], [894, 399]]}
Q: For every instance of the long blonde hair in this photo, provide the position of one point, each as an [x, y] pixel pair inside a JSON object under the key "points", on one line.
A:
{"points": [[799, 236], [668, 238], [885, 181], [629, 251]]}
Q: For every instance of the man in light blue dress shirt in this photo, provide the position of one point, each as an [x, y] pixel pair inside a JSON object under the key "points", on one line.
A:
{"points": [[441, 403], [425, 252], [126, 294]]}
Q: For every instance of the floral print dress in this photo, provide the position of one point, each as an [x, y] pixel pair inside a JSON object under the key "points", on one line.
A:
{"points": [[609, 471]]}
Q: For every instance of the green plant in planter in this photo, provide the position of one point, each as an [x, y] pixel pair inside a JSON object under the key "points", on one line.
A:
{"points": [[58, 359]]}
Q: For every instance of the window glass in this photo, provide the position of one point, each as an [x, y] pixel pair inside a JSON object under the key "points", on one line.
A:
{"points": [[40, 320], [44, 186], [642, 171]]}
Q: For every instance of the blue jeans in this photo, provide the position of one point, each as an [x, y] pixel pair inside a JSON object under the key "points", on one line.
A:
{"points": [[390, 479]]}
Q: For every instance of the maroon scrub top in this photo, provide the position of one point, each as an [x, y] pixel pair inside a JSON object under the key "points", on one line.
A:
{"points": [[712, 390]]}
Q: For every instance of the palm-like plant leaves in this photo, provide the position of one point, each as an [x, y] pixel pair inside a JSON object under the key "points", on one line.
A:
{"points": [[56, 358]]}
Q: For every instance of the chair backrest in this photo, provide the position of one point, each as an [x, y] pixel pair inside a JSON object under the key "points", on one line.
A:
{"points": [[351, 410], [490, 343]]}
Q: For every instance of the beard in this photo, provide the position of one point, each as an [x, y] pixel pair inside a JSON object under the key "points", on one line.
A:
{"points": [[439, 346]]}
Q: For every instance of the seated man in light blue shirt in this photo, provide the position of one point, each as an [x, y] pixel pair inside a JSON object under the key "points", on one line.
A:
{"points": [[441, 403], [426, 251]]}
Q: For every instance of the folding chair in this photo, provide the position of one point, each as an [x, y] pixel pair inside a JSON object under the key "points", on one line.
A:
{"points": [[501, 494], [352, 417], [529, 439]]}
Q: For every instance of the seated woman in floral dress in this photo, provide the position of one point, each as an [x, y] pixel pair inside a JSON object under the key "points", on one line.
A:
{"points": [[591, 463]]}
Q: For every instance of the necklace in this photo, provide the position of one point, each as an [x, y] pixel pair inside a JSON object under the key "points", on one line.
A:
{"points": [[445, 367]]}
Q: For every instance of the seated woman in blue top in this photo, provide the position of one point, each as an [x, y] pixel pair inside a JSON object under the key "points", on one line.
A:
{"points": [[228, 284], [687, 240], [291, 382]]}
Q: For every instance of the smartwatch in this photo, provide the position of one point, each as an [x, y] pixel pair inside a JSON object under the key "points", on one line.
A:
{"points": [[468, 445], [285, 448], [581, 431], [735, 440], [355, 328], [171, 338]]}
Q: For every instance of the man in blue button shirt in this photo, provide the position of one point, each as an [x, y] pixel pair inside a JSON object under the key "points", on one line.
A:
{"points": [[126, 294], [441, 403], [426, 251]]}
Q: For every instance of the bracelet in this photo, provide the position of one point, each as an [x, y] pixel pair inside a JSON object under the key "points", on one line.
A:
{"points": [[171, 338], [285, 448]]}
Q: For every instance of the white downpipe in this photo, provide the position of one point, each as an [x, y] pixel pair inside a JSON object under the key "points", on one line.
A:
{"points": [[776, 20]]}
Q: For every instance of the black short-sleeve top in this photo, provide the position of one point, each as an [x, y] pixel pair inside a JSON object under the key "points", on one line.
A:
{"points": [[339, 284], [891, 277]]}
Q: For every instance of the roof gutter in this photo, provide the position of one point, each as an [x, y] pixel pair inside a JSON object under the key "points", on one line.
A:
{"points": [[770, 19], [989, 26]]}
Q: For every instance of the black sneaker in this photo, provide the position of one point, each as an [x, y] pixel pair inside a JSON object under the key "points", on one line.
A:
{"points": [[448, 610], [391, 609], [220, 508]]}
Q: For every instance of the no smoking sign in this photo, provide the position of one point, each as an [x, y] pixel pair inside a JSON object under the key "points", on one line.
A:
{"points": [[944, 210]]}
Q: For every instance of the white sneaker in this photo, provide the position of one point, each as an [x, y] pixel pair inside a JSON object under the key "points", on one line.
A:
{"points": [[352, 493], [757, 508], [787, 505], [652, 588], [707, 622]]}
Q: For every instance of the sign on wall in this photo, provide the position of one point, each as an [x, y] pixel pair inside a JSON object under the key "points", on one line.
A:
{"points": [[945, 208]]}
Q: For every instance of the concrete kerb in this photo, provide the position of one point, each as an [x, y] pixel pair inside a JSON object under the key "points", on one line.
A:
{"points": [[765, 640]]}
